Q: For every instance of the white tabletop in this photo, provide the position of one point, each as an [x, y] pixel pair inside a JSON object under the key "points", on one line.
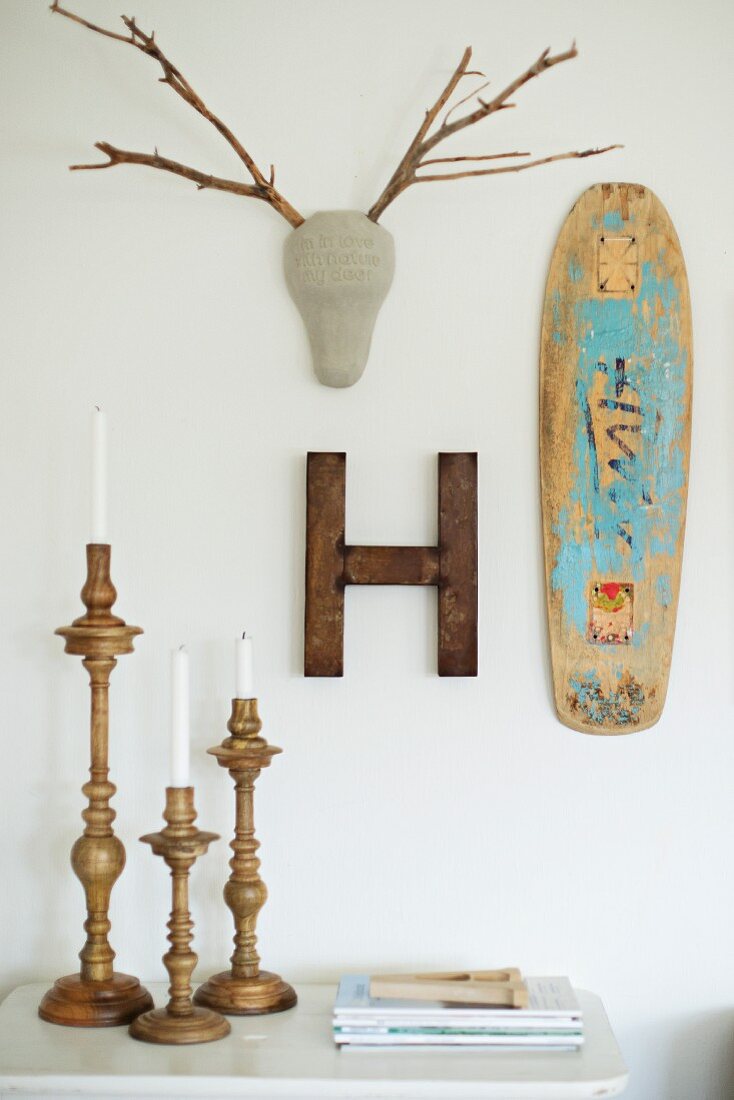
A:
{"points": [[290, 1054]]}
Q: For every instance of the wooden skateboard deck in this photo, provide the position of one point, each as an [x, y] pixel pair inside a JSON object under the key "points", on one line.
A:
{"points": [[615, 415]]}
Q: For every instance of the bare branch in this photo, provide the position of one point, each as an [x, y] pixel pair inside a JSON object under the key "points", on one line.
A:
{"points": [[502, 106], [412, 158], [544, 62], [202, 180], [467, 98], [509, 167], [489, 156], [55, 6], [264, 189], [416, 156]]}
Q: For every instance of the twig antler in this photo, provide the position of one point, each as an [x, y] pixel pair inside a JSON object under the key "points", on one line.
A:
{"points": [[260, 188], [406, 172]]}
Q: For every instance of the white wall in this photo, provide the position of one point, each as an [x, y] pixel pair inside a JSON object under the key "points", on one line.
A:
{"points": [[411, 822]]}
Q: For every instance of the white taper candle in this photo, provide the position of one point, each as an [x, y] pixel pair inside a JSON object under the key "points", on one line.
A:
{"points": [[179, 718], [98, 494], [243, 668]]}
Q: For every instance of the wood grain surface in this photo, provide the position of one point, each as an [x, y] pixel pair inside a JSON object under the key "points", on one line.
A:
{"points": [[615, 417]]}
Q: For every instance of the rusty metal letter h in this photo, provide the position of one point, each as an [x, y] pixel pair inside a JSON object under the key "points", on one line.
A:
{"points": [[451, 566]]}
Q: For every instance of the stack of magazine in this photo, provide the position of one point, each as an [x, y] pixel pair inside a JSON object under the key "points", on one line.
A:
{"points": [[552, 1019]]}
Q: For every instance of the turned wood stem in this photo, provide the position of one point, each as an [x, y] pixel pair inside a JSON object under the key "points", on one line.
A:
{"points": [[180, 844], [244, 754], [245, 903], [98, 857], [98, 866], [97, 996], [99, 593], [180, 960], [99, 816], [245, 989]]}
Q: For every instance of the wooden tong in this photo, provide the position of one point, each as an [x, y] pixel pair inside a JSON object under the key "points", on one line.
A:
{"points": [[501, 988]]}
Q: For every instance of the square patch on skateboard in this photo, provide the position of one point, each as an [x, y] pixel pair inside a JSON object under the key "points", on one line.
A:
{"points": [[610, 613], [617, 265]]}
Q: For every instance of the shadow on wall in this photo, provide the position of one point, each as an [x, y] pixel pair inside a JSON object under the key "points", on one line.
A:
{"points": [[702, 1058]]}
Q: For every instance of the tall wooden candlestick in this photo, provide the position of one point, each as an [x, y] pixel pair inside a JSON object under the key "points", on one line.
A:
{"points": [[97, 996], [245, 990], [180, 844]]}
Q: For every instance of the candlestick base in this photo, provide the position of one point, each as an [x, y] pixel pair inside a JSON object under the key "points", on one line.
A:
{"points": [[77, 1003], [258, 996], [201, 1025]]}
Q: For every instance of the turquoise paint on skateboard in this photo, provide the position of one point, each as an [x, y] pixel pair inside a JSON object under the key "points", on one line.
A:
{"points": [[616, 375]]}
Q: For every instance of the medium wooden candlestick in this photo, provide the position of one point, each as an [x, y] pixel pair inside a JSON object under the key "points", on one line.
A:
{"points": [[180, 844], [245, 990], [97, 996]]}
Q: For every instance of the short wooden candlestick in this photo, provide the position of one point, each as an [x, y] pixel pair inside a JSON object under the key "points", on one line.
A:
{"points": [[97, 996], [180, 844], [245, 990]]}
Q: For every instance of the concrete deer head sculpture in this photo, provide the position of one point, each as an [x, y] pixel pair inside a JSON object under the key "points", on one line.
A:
{"points": [[338, 264]]}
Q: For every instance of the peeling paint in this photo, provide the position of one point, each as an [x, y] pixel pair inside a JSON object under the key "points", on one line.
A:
{"points": [[627, 498], [613, 220], [559, 335], [619, 707], [575, 270], [664, 590]]}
